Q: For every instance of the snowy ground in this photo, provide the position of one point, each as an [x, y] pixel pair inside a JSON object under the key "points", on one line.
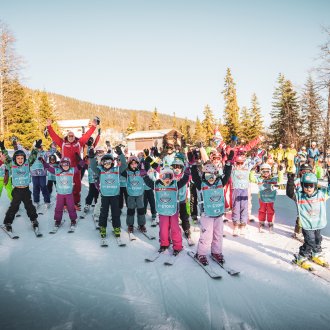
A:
{"points": [[67, 281]]}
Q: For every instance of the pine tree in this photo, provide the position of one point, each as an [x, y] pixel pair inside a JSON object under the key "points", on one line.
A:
{"points": [[208, 124], [199, 135], [20, 113], [311, 107], [231, 112], [246, 125], [286, 121], [155, 123], [256, 118], [185, 130], [132, 127]]}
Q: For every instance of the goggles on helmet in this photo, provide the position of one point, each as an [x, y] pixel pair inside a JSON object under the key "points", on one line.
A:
{"points": [[210, 176], [165, 176]]}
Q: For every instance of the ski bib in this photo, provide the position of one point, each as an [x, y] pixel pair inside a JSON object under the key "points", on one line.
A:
{"points": [[166, 198], [135, 184], [21, 175], [64, 181], [109, 182], [213, 198], [240, 178]]}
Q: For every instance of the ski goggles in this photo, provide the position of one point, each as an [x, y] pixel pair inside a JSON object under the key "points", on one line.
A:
{"points": [[305, 171], [176, 166], [308, 185], [165, 176], [216, 158], [265, 171], [239, 163], [107, 162], [65, 164], [210, 176]]}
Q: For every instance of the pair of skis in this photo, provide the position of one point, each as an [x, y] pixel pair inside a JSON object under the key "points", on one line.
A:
{"points": [[55, 229], [210, 270], [132, 237], [105, 243], [170, 260], [13, 236]]}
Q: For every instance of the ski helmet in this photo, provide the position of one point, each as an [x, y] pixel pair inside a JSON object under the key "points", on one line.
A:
{"points": [[178, 161], [240, 159], [133, 158], [265, 167], [215, 154], [19, 153], [166, 173], [65, 161], [309, 178], [52, 158], [209, 168], [305, 167], [107, 159]]}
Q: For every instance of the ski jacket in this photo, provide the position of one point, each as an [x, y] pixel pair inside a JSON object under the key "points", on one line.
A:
{"points": [[241, 149], [69, 149]]}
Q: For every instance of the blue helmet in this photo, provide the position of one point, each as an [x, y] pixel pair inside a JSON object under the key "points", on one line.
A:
{"points": [[309, 178]]}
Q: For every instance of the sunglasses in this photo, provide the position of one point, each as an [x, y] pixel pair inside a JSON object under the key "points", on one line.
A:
{"points": [[239, 163], [70, 135], [308, 185]]}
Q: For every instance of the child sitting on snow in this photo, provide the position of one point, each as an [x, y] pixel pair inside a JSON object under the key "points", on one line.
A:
{"points": [[311, 204]]}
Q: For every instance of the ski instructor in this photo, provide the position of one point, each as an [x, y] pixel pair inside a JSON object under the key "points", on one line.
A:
{"points": [[70, 147]]}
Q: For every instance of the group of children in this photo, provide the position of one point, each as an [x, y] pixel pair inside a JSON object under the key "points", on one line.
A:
{"points": [[163, 181]]}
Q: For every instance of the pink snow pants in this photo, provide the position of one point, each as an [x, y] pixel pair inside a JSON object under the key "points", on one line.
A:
{"points": [[211, 235], [266, 210], [169, 225]]}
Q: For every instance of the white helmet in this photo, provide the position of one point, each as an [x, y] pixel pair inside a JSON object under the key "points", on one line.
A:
{"points": [[166, 172], [266, 167], [210, 168]]}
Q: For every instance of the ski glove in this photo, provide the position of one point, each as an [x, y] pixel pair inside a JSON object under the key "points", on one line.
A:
{"points": [[231, 155], [146, 152], [2, 145], [118, 150], [90, 141], [91, 153], [38, 144]]}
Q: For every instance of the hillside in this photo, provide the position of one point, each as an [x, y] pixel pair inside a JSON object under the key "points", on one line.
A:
{"points": [[116, 118]]}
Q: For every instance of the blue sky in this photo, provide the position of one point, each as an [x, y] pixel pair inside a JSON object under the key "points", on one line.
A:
{"points": [[168, 54]]}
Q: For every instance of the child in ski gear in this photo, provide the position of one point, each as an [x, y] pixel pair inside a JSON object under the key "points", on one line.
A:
{"points": [[313, 154], [135, 190], [311, 204], [211, 220], [166, 195], [20, 169], [149, 196], [5, 180], [267, 195], [64, 186], [290, 155], [51, 178], [240, 180], [93, 192], [303, 168], [39, 174], [108, 175], [178, 170]]}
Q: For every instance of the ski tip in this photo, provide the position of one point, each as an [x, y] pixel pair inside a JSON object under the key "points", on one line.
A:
{"points": [[15, 237]]}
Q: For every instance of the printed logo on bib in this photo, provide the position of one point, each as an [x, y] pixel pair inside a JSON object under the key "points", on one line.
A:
{"points": [[21, 172], [215, 197], [64, 181], [109, 181], [165, 198]]}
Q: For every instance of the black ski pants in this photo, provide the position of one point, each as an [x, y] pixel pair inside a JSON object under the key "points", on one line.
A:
{"points": [[93, 193], [20, 195], [106, 203], [312, 242]]}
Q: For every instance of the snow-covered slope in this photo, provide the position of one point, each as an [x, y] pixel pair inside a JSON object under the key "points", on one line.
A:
{"points": [[67, 281]]}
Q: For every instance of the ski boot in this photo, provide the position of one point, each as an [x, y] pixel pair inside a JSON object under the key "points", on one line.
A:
{"points": [[242, 228], [142, 228], [8, 227], [57, 223], [303, 262], [319, 259], [86, 208], [270, 227], [73, 222], [202, 259], [116, 231], [187, 234], [130, 229], [261, 226], [235, 229], [35, 224], [176, 252], [162, 249], [103, 232], [77, 206], [218, 257]]}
